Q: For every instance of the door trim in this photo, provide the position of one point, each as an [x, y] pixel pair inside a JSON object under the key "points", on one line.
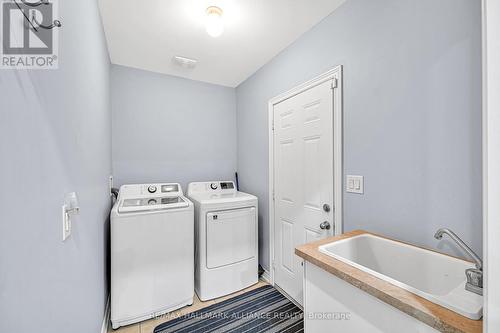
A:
{"points": [[333, 74], [491, 164]]}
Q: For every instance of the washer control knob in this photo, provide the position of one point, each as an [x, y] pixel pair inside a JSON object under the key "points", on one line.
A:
{"points": [[152, 189], [213, 186]]}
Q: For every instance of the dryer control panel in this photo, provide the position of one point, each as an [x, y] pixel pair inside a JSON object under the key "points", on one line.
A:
{"points": [[212, 187]]}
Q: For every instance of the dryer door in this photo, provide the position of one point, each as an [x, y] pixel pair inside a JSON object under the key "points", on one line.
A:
{"points": [[231, 236]]}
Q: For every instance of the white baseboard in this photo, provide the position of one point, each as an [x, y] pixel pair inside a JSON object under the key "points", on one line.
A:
{"points": [[266, 276], [105, 320]]}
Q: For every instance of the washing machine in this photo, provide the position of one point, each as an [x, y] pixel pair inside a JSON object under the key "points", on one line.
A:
{"points": [[152, 252], [226, 236]]}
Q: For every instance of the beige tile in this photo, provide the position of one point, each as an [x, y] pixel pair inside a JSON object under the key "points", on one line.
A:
{"points": [[126, 329], [148, 326]]}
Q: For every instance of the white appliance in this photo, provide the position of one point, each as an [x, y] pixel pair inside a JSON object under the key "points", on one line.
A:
{"points": [[152, 252], [226, 227]]}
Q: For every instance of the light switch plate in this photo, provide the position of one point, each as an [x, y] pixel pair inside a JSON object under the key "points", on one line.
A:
{"points": [[355, 184]]}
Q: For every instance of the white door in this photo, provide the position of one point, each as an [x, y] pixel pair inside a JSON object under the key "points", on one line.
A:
{"points": [[303, 180]]}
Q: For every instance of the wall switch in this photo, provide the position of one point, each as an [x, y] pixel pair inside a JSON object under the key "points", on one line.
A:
{"points": [[355, 184], [66, 220]]}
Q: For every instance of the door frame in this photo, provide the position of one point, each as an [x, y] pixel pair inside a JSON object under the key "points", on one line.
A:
{"points": [[333, 74], [491, 163]]}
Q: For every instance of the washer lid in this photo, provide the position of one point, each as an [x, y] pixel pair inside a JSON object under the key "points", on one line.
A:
{"points": [[214, 198], [152, 203]]}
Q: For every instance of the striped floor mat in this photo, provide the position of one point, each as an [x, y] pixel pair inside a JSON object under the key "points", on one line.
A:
{"points": [[261, 310]]}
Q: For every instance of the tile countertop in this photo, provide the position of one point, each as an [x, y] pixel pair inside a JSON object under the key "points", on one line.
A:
{"points": [[432, 314]]}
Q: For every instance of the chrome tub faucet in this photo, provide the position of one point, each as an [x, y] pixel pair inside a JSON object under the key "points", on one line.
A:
{"points": [[474, 275]]}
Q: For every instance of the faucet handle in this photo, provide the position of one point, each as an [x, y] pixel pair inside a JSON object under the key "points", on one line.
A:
{"points": [[474, 280]]}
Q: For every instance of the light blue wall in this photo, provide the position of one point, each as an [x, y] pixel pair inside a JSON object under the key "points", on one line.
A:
{"points": [[169, 129], [55, 138], [412, 115]]}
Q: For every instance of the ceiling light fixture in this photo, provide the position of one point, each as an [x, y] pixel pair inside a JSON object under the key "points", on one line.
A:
{"points": [[214, 22]]}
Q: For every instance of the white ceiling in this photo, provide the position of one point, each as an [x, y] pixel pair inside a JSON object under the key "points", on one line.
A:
{"points": [[146, 34]]}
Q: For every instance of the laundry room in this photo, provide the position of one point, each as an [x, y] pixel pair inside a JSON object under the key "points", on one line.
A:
{"points": [[249, 166]]}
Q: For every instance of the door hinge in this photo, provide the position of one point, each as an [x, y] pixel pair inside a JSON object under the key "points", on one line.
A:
{"points": [[274, 198], [334, 83], [273, 265]]}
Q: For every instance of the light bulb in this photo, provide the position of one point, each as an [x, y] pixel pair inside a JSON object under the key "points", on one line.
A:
{"points": [[214, 22]]}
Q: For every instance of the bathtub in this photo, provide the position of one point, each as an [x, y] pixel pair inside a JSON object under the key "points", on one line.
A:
{"points": [[436, 277]]}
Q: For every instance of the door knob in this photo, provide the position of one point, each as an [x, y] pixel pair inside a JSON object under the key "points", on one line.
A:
{"points": [[325, 225]]}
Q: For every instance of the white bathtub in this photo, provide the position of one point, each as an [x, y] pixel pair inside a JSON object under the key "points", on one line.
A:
{"points": [[436, 277]]}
